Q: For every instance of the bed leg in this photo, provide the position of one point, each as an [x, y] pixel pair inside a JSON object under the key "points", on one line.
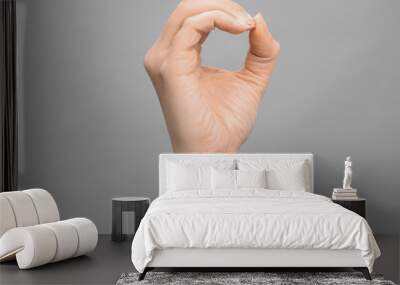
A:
{"points": [[143, 274], [364, 271]]}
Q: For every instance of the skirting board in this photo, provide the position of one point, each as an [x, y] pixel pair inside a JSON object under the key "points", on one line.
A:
{"points": [[189, 257]]}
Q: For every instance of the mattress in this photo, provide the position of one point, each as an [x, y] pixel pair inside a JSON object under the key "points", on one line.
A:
{"points": [[251, 219]]}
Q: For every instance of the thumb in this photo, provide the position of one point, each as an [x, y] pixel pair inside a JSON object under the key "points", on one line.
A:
{"points": [[263, 49]]}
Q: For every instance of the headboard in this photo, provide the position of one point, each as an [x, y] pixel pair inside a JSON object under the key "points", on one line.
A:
{"points": [[164, 157]]}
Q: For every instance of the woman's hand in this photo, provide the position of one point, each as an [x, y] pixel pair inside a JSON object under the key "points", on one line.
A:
{"points": [[209, 109]]}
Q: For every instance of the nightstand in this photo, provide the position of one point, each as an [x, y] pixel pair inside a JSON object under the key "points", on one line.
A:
{"points": [[139, 205], [357, 206]]}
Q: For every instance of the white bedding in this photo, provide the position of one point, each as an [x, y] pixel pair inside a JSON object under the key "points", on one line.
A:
{"points": [[250, 218]]}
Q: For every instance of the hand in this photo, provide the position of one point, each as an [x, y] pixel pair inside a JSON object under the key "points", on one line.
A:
{"points": [[209, 109]]}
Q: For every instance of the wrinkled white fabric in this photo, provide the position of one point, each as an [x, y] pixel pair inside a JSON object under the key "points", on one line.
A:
{"points": [[250, 218]]}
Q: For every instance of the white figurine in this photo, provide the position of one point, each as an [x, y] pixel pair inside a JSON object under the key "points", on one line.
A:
{"points": [[347, 173]]}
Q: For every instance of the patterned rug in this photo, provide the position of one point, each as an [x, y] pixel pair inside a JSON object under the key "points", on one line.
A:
{"points": [[269, 278]]}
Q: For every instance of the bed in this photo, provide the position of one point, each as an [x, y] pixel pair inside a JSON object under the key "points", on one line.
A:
{"points": [[247, 211]]}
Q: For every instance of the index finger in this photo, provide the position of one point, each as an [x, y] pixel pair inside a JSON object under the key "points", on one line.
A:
{"points": [[190, 8]]}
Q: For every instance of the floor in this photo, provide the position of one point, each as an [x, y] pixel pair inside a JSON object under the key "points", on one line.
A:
{"points": [[103, 266], [110, 260]]}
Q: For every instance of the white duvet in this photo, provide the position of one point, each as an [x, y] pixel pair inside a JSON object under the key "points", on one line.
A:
{"points": [[250, 218]]}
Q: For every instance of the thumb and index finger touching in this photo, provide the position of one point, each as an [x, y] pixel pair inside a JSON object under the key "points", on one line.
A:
{"points": [[263, 49], [190, 23]]}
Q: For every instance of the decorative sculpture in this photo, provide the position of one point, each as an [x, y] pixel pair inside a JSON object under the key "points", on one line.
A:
{"points": [[347, 173]]}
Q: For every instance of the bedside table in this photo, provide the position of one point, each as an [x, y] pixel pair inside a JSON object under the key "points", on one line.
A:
{"points": [[139, 205], [357, 206]]}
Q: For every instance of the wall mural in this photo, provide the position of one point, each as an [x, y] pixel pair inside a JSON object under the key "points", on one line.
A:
{"points": [[208, 109]]}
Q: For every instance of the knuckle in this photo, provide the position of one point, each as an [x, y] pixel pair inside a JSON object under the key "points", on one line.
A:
{"points": [[147, 61], [190, 22], [165, 68], [150, 62]]}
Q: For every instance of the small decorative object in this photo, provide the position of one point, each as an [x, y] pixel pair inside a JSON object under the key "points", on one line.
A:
{"points": [[347, 173], [347, 192]]}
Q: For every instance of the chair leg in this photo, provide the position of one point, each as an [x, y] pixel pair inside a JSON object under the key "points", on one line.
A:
{"points": [[364, 271], [142, 275]]}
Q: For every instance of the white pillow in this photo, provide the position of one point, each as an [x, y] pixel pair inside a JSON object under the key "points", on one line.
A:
{"points": [[283, 174], [184, 177], [251, 178], [193, 174], [236, 179], [223, 179]]}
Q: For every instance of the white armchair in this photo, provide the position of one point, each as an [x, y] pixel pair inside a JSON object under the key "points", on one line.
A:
{"points": [[31, 230]]}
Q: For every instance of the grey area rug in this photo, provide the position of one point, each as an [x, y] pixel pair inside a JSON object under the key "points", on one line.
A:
{"points": [[231, 278]]}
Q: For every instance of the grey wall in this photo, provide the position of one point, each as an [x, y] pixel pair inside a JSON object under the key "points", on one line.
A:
{"points": [[91, 127]]}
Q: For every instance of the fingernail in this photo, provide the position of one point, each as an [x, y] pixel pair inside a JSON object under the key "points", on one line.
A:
{"points": [[258, 15], [247, 22], [252, 23]]}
